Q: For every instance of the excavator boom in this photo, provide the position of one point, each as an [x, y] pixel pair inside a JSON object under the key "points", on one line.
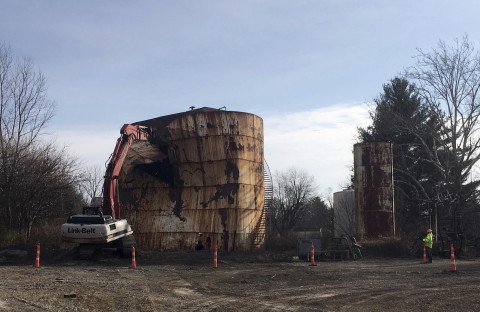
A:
{"points": [[128, 135]]}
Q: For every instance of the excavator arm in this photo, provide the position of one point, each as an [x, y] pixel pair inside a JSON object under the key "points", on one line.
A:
{"points": [[128, 135]]}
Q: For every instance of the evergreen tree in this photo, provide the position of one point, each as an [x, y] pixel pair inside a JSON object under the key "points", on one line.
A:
{"points": [[400, 117]]}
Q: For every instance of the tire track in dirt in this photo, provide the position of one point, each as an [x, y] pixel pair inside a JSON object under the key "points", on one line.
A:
{"points": [[203, 296], [238, 294]]}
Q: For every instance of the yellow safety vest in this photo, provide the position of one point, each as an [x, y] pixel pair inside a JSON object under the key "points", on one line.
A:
{"points": [[428, 240]]}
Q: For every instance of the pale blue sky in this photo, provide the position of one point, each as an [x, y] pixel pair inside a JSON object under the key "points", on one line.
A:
{"points": [[306, 67]]}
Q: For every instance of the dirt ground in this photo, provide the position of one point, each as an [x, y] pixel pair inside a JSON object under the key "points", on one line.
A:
{"points": [[253, 282]]}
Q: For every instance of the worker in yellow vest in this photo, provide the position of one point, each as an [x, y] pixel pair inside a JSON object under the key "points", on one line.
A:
{"points": [[428, 241]]}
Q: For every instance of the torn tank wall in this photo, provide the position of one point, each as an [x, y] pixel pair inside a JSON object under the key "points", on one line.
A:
{"points": [[200, 180], [373, 181]]}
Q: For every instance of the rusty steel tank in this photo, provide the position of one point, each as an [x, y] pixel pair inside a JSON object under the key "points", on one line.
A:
{"points": [[198, 182], [373, 182]]}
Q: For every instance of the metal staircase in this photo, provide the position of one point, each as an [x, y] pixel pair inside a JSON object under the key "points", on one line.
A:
{"points": [[261, 227]]}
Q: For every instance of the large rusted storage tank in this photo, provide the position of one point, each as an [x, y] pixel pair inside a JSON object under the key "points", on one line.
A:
{"points": [[201, 179], [373, 181]]}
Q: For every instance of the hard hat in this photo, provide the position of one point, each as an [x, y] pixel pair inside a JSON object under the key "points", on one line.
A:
{"points": [[429, 230]]}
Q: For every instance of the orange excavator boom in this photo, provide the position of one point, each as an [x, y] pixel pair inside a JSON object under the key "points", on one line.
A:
{"points": [[128, 135]]}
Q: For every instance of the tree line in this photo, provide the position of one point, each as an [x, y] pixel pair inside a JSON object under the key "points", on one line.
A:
{"points": [[430, 113], [40, 183]]}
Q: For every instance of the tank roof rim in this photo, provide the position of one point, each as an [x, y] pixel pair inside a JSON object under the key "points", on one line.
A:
{"points": [[203, 110]]}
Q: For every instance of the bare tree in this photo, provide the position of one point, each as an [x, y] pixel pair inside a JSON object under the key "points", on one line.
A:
{"points": [[448, 79], [92, 182], [316, 217], [24, 113], [46, 188], [294, 189]]}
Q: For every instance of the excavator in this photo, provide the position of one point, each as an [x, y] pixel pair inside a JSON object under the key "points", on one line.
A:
{"points": [[99, 225]]}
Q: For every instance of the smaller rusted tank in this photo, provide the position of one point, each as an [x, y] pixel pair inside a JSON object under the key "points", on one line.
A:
{"points": [[373, 181]]}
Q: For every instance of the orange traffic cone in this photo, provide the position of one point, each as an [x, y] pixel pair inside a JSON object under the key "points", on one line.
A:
{"points": [[37, 257], [215, 254], [424, 254], [134, 261], [453, 267], [312, 256]]}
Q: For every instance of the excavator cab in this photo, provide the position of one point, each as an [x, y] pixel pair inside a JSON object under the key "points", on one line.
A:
{"points": [[92, 210]]}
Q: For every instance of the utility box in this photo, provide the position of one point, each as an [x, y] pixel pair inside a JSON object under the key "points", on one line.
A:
{"points": [[304, 247]]}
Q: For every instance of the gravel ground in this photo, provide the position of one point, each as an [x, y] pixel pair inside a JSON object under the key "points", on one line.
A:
{"points": [[242, 282]]}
